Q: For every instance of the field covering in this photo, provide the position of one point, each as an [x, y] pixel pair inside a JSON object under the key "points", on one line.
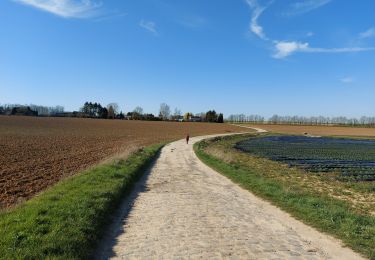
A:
{"points": [[38, 152], [67, 220], [352, 159], [318, 130], [345, 210]]}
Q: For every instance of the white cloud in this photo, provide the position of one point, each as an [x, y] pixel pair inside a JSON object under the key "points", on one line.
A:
{"points": [[257, 12], [65, 8], [284, 49], [367, 34], [347, 80], [149, 26], [306, 6]]}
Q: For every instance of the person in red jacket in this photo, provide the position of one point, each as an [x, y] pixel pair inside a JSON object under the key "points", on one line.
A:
{"points": [[187, 138]]}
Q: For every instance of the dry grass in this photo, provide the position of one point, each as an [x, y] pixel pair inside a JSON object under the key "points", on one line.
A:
{"points": [[319, 130], [38, 152]]}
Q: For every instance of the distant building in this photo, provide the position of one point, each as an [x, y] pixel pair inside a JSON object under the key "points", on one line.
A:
{"points": [[64, 114], [177, 118], [195, 119], [71, 114]]}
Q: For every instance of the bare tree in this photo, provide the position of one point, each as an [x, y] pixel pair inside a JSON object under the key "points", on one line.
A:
{"points": [[115, 107], [111, 112], [202, 115], [137, 113], [165, 111], [138, 110], [177, 112]]}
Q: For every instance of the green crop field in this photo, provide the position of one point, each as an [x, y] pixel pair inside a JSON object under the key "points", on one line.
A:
{"points": [[351, 159]]}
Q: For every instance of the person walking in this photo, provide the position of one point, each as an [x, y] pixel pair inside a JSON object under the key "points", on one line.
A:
{"points": [[187, 138]]}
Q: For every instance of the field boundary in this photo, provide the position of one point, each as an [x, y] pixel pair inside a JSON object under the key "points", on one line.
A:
{"points": [[327, 214], [367, 132], [68, 220], [258, 130]]}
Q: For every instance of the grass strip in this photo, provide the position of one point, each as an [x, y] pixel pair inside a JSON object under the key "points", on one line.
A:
{"points": [[66, 221], [325, 213]]}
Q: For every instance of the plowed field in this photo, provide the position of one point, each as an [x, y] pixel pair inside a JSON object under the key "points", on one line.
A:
{"points": [[38, 152]]}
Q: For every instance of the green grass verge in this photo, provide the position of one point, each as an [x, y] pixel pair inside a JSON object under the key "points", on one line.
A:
{"points": [[66, 221], [325, 213]]}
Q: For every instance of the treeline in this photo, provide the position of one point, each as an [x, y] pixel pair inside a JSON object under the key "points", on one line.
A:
{"points": [[36, 110], [301, 120], [242, 118], [96, 110], [210, 116], [112, 111]]}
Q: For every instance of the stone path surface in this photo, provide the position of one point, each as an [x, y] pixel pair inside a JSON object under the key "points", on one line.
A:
{"points": [[183, 209]]}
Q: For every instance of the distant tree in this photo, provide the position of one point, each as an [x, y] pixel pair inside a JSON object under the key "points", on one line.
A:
{"points": [[137, 113], [103, 113], [150, 117], [220, 118], [274, 119], [177, 112], [93, 110], [115, 107], [176, 115], [202, 115], [187, 116], [165, 111], [211, 116], [85, 109], [46, 111], [111, 112], [121, 115], [138, 110]]}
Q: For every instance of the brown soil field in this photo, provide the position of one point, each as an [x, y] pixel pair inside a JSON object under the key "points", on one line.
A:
{"points": [[319, 130], [38, 152]]}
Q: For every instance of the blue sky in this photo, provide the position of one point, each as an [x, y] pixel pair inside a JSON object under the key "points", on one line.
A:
{"points": [[290, 57]]}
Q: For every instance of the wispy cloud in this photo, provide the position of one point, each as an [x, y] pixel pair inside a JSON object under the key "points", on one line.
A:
{"points": [[347, 80], [339, 50], [305, 6], [65, 8], [110, 16], [192, 21], [310, 34], [282, 48], [367, 34], [257, 11], [149, 26]]}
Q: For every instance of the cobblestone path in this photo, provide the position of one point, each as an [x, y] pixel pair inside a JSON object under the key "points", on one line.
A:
{"points": [[182, 209]]}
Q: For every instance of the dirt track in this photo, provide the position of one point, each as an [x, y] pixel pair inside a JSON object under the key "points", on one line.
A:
{"points": [[184, 209]]}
